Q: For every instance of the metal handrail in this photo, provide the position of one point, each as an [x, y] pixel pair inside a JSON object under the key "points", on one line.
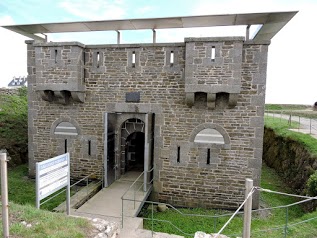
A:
{"points": [[122, 197], [134, 194], [63, 190], [135, 181], [185, 214]]}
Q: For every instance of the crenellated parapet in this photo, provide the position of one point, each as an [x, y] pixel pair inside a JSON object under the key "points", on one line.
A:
{"points": [[212, 67], [60, 71]]}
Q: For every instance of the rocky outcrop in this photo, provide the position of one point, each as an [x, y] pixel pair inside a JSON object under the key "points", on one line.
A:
{"points": [[200, 234], [105, 229]]}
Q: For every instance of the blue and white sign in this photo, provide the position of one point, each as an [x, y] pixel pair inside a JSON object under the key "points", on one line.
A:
{"points": [[51, 175]]}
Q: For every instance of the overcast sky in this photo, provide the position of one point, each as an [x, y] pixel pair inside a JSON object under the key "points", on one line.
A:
{"points": [[292, 60]]}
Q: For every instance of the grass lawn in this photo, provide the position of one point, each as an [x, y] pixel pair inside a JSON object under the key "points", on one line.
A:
{"points": [[285, 107], [45, 224], [281, 128], [21, 189], [291, 109], [42, 223], [265, 220]]}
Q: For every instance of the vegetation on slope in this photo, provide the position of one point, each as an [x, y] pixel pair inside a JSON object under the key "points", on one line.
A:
{"points": [[291, 109], [287, 107], [281, 128], [292, 154], [40, 223], [13, 126], [22, 189]]}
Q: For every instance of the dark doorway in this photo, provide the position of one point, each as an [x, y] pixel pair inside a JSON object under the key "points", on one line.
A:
{"points": [[110, 155], [134, 152]]}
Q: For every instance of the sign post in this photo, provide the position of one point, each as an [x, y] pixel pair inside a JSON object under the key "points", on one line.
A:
{"points": [[4, 195], [52, 175]]}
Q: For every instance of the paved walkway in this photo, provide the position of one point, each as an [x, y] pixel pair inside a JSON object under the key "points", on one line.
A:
{"points": [[107, 202], [307, 125], [107, 205]]}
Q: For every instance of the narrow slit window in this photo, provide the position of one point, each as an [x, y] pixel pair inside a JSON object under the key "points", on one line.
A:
{"points": [[89, 147], [172, 59], [208, 156], [65, 145], [98, 59], [213, 54], [178, 154], [55, 56], [133, 59]]}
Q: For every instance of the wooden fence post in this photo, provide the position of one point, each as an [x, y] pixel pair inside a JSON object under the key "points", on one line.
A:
{"points": [[247, 209], [4, 195]]}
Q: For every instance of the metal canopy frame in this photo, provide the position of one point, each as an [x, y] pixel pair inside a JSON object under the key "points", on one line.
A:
{"points": [[272, 23]]}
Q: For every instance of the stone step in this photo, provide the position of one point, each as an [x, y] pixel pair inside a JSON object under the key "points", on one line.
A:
{"points": [[132, 228], [141, 233]]}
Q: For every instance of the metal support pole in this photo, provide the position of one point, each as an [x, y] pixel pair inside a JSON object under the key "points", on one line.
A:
{"points": [[290, 121], [118, 37], [87, 187], [286, 222], [154, 36], [134, 198], [247, 209], [310, 126], [247, 33], [280, 116], [122, 213], [152, 222], [68, 187], [4, 195], [37, 185]]}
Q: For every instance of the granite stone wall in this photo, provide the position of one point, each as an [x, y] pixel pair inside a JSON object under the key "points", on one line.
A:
{"points": [[131, 81], [9, 91]]}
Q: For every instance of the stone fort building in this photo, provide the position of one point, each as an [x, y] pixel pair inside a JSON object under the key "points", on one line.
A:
{"points": [[189, 114]]}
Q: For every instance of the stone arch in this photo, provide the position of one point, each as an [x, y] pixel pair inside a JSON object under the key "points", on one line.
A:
{"points": [[123, 118], [69, 121], [129, 127], [216, 127]]}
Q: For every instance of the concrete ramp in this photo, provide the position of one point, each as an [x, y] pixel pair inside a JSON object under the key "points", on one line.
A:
{"points": [[107, 203]]}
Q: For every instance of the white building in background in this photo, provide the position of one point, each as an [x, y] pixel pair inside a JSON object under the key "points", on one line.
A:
{"points": [[18, 82]]}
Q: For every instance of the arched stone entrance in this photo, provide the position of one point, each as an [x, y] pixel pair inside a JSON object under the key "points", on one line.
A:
{"points": [[132, 145], [134, 152], [128, 147]]}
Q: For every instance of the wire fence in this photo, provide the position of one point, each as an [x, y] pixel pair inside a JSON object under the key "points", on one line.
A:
{"points": [[79, 190], [280, 221], [306, 123]]}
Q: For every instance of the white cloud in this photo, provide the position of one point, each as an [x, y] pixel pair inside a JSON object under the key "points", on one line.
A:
{"points": [[96, 10], [13, 51]]}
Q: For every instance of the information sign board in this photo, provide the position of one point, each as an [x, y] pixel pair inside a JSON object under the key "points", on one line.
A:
{"points": [[51, 175]]}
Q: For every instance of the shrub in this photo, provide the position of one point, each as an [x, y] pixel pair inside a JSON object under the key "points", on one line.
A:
{"points": [[312, 184], [13, 126]]}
